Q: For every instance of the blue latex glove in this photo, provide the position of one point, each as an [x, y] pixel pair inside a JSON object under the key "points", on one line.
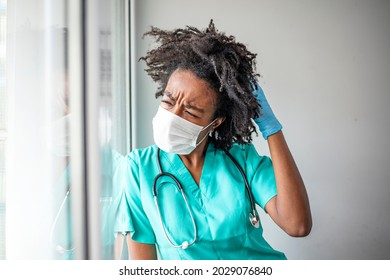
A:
{"points": [[267, 122]]}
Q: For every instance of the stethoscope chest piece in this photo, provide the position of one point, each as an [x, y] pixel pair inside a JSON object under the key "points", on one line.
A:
{"points": [[254, 219], [184, 245]]}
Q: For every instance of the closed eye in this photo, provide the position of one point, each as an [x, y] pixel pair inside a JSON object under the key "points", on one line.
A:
{"points": [[167, 102], [191, 114]]}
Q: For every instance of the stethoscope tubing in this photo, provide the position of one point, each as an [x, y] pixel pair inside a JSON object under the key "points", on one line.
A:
{"points": [[185, 243], [59, 248], [253, 216], [252, 202]]}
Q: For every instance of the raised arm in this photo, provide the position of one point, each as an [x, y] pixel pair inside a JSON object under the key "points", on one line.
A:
{"points": [[290, 208]]}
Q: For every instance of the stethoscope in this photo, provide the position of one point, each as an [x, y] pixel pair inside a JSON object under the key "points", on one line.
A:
{"points": [[253, 215], [60, 249], [63, 250]]}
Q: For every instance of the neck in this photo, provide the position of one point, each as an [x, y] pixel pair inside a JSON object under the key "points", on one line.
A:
{"points": [[196, 157], [194, 161]]}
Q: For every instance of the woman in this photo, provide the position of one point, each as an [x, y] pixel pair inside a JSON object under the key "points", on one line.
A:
{"points": [[202, 132]]}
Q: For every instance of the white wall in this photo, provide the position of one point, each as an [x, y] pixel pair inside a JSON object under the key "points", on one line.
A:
{"points": [[325, 68]]}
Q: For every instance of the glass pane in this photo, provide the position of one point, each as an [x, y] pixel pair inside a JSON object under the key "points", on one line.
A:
{"points": [[39, 175], [3, 121], [37, 169], [113, 110]]}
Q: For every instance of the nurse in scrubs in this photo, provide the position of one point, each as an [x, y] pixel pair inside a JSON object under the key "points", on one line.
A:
{"points": [[202, 210]]}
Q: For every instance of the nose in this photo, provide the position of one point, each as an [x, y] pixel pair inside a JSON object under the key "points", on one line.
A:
{"points": [[175, 109]]}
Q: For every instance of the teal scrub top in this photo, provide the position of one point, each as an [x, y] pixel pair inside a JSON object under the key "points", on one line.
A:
{"points": [[220, 204]]}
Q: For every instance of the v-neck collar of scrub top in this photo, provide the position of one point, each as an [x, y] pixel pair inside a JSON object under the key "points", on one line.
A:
{"points": [[178, 168]]}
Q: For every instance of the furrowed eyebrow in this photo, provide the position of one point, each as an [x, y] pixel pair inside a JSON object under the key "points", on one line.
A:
{"points": [[193, 107], [169, 95], [188, 106]]}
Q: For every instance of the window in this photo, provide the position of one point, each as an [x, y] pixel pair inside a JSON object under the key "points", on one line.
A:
{"points": [[3, 122], [66, 105]]}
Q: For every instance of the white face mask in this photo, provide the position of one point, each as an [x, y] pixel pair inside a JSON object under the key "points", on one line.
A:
{"points": [[174, 134]]}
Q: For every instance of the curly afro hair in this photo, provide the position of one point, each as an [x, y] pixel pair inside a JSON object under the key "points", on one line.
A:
{"points": [[225, 64]]}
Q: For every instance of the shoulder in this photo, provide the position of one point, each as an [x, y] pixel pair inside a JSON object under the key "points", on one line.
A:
{"points": [[133, 159], [248, 156], [130, 166], [243, 150], [142, 155]]}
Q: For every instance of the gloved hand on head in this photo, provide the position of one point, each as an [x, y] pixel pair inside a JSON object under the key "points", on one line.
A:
{"points": [[267, 122]]}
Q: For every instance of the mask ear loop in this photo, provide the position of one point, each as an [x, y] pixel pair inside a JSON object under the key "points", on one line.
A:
{"points": [[197, 144]]}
